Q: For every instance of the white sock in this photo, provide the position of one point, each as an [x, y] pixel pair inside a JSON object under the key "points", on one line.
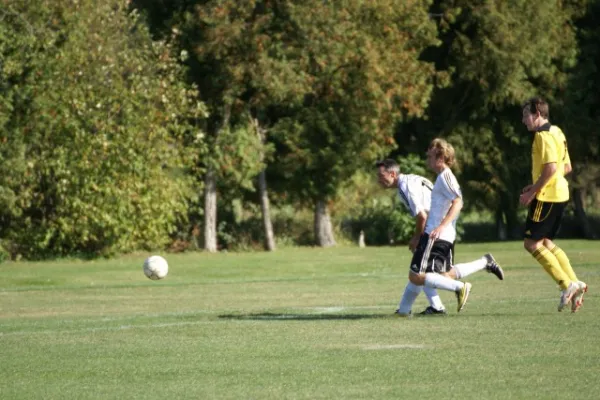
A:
{"points": [[434, 298], [411, 291], [465, 269], [438, 281]]}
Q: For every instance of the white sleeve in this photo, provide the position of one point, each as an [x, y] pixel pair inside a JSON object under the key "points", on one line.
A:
{"points": [[415, 195], [404, 194], [415, 199], [451, 186]]}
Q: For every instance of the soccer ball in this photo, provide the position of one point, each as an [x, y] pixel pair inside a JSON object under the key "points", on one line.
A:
{"points": [[156, 267]]}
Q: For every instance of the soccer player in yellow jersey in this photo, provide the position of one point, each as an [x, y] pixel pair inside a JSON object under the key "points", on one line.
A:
{"points": [[547, 198]]}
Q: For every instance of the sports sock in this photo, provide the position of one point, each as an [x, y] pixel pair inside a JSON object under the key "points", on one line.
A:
{"points": [[552, 266], [565, 264], [411, 291], [434, 298], [465, 269], [434, 280]]}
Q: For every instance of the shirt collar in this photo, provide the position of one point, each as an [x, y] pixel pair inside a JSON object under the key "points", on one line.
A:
{"points": [[544, 128]]}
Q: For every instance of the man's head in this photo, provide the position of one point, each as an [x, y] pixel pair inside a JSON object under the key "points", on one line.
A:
{"points": [[535, 113], [440, 154], [388, 172]]}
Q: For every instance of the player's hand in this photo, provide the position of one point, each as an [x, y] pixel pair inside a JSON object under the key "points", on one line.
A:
{"points": [[527, 196], [435, 234], [526, 188], [414, 242]]}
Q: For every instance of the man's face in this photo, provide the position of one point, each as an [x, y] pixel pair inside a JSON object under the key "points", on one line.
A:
{"points": [[432, 159], [386, 178], [529, 119]]}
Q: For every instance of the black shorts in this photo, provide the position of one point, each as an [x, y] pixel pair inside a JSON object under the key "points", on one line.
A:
{"points": [[543, 219], [432, 256]]}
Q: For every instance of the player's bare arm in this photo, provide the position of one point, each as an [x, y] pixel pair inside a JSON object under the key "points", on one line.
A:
{"points": [[530, 191]]}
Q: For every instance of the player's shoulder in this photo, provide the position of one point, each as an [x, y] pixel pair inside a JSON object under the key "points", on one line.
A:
{"points": [[447, 174], [414, 180], [448, 179], [552, 131], [556, 131]]}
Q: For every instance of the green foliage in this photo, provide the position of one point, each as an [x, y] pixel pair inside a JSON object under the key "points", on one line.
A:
{"points": [[239, 156], [4, 254], [241, 229], [362, 205], [579, 112], [97, 122], [414, 164], [349, 53]]}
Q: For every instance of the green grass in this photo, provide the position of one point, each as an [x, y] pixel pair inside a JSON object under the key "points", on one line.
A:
{"points": [[295, 324]]}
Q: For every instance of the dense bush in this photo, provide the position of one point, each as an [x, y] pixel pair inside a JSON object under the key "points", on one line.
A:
{"points": [[93, 123]]}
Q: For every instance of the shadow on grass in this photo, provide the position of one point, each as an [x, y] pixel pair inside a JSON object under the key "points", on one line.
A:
{"points": [[301, 317]]}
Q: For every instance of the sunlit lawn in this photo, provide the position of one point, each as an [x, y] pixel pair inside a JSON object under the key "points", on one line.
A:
{"points": [[299, 323]]}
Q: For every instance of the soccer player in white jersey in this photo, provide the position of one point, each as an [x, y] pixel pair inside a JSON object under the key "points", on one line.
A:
{"points": [[414, 192], [432, 263]]}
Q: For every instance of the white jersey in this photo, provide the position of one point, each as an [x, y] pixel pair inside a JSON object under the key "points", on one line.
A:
{"points": [[415, 193], [445, 190]]}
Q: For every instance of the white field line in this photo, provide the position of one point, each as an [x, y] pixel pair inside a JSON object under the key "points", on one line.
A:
{"points": [[393, 346]]}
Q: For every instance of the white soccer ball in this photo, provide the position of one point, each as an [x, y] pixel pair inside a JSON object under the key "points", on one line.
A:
{"points": [[156, 267]]}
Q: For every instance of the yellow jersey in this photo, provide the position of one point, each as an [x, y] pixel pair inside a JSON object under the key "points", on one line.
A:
{"points": [[550, 146]]}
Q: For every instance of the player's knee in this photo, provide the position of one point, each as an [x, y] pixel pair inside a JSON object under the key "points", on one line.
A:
{"points": [[530, 245], [450, 274], [416, 279]]}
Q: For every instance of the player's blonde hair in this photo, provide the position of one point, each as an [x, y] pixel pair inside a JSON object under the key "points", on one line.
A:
{"points": [[443, 149]]}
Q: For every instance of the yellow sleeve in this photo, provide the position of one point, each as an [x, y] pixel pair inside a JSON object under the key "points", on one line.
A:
{"points": [[549, 151]]}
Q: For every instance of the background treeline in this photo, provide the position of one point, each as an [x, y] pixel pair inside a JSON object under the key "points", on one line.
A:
{"points": [[146, 124]]}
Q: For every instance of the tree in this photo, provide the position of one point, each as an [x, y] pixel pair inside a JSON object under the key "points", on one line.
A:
{"points": [[242, 68], [97, 115], [361, 60], [581, 116], [243, 72]]}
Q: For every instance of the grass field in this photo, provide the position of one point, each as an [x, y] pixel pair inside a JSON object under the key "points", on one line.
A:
{"points": [[296, 324]]}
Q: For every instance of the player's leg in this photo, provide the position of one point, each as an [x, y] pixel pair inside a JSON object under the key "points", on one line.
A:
{"points": [[430, 263], [412, 289], [487, 262], [411, 292], [436, 306], [563, 259], [541, 222], [565, 265]]}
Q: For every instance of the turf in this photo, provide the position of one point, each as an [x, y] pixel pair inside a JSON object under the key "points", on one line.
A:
{"points": [[299, 323]]}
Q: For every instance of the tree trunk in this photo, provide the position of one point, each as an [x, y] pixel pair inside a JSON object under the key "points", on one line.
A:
{"points": [[580, 214], [501, 231], [210, 211], [210, 194], [264, 196], [266, 211], [323, 229], [507, 218]]}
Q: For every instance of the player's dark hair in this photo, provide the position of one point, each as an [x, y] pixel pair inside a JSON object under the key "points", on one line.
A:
{"points": [[537, 104], [388, 164]]}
